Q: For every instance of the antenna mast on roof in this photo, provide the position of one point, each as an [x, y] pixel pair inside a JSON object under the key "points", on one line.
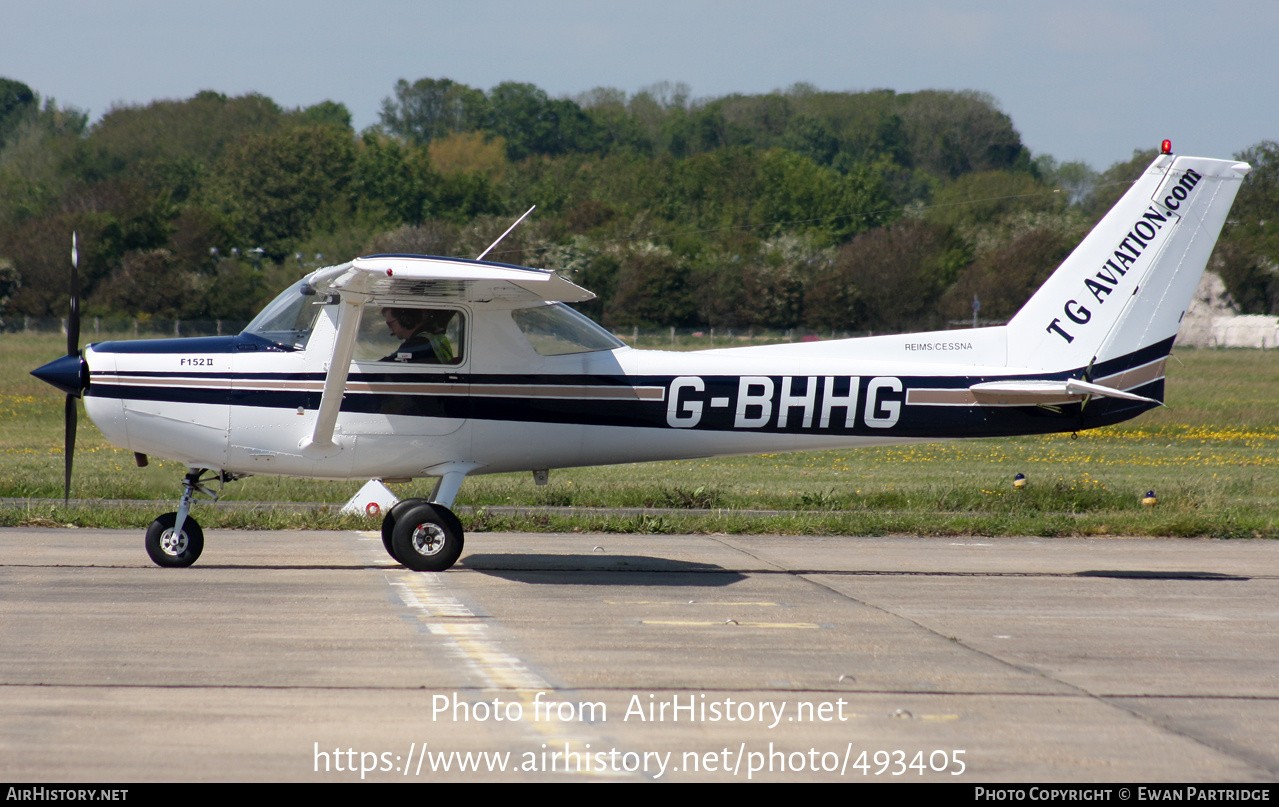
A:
{"points": [[508, 232]]}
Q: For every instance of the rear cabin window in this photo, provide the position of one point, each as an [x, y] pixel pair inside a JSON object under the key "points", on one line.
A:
{"points": [[557, 330]]}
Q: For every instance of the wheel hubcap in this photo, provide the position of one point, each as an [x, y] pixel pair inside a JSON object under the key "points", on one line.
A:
{"points": [[428, 539], [173, 544]]}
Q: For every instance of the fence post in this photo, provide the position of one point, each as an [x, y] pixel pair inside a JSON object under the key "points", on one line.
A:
{"points": [[672, 334]]}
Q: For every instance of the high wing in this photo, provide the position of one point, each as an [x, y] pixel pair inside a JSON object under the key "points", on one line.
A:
{"points": [[391, 279], [394, 280]]}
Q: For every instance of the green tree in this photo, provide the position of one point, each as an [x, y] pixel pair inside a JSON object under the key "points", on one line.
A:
{"points": [[532, 123], [619, 128], [17, 102], [170, 145], [888, 279], [983, 198], [392, 181], [796, 194], [1076, 179], [1115, 181], [33, 176], [40, 250], [1004, 279], [430, 108], [652, 288], [954, 133], [275, 188], [149, 281], [812, 138], [1247, 256], [328, 113]]}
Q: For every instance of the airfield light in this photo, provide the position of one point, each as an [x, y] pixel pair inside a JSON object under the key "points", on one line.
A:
{"points": [[1165, 147]]}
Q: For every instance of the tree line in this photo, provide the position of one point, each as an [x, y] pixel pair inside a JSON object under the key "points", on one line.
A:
{"points": [[798, 208]]}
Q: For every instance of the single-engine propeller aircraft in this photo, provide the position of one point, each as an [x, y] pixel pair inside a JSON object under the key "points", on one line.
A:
{"points": [[486, 370]]}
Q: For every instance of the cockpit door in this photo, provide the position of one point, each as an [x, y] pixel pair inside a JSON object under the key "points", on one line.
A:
{"points": [[410, 371]]}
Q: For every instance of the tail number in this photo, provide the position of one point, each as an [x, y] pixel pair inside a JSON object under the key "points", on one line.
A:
{"points": [[788, 402]]}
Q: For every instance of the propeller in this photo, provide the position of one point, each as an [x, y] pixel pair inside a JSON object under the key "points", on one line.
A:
{"points": [[69, 373], [70, 412]]}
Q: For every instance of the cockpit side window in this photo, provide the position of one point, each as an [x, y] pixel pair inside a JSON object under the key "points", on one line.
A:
{"points": [[405, 335], [557, 330], [288, 319]]}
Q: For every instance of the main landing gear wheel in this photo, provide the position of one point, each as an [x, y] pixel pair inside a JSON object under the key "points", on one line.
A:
{"points": [[388, 523], [426, 538], [169, 549]]}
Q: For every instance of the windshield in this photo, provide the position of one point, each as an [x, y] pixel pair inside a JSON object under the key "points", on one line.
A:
{"points": [[289, 318], [556, 330]]}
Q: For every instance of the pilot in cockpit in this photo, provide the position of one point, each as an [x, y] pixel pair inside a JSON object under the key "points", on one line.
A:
{"points": [[423, 335]]}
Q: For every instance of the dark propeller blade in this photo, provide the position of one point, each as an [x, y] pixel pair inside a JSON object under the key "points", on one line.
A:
{"points": [[70, 412], [73, 318], [69, 448]]}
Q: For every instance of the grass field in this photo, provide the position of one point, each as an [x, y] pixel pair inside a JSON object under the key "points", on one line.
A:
{"points": [[1212, 457]]}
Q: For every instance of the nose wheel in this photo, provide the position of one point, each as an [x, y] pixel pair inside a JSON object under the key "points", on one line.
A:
{"points": [[169, 547]]}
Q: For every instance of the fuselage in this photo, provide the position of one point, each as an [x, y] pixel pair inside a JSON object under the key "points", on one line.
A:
{"points": [[246, 404]]}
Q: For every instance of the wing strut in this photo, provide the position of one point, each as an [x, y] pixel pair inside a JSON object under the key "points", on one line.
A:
{"points": [[339, 368]]}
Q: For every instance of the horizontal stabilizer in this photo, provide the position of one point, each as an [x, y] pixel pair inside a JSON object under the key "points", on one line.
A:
{"points": [[1045, 392]]}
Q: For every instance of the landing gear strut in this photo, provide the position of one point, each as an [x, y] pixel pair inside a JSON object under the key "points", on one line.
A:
{"points": [[175, 539]]}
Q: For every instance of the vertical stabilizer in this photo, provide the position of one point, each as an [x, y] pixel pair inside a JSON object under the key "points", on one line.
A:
{"points": [[1128, 283]]}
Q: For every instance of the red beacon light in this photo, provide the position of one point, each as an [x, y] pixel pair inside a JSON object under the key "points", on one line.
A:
{"points": [[1165, 147]]}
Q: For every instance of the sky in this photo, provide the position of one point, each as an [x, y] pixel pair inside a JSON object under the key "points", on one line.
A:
{"points": [[1085, 80]]}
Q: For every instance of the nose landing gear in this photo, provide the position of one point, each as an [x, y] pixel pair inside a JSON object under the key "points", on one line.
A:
{"points": [[176, 539]]}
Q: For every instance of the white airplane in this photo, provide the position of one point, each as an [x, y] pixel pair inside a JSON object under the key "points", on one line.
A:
{"points": [[487, 371]]}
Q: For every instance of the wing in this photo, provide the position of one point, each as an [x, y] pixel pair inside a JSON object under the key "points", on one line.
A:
{"points": [[396, 279]]}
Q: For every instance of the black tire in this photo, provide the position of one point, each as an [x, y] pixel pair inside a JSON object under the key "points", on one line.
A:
{"points": [[427, 538], [165, 551], [388, 524]]}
